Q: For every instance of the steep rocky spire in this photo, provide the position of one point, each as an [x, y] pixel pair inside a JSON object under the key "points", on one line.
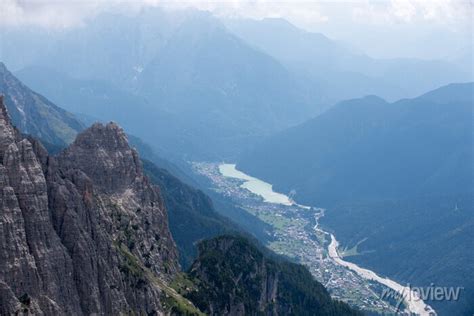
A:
{"points": [[103, 153], [7, 131], [82, 233]]}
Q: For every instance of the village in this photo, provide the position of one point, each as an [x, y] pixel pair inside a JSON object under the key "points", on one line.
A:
{"points": [[296, 235]]}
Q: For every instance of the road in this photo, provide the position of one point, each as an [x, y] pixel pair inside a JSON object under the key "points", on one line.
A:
{"points": [[278, 209]]}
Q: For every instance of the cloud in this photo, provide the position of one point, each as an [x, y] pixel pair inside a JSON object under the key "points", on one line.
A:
{"points": [[69, 13], [442, 12], [49, 14], [306, 13], [258, 9]]}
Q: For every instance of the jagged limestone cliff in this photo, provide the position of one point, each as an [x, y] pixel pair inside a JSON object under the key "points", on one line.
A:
{"points": [[81, 233]]}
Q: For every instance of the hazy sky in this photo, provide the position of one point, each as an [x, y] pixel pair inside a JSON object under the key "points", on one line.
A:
{"points": [[382, 28]]}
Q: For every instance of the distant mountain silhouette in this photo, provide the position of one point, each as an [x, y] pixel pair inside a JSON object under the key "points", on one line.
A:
{"points": [[338, 72], [368, 148], [198, 89], [206, 90]]}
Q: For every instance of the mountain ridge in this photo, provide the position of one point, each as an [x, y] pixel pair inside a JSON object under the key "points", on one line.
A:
{"points": [[369, 126], [255, 283], [340, 72], [34, 114], [396, 180]]}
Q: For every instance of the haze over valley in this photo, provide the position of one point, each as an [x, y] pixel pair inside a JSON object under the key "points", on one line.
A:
{"points": [[245, 158]]}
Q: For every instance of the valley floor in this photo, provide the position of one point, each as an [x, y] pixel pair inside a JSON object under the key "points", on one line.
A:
{"points": [[296, 235]]}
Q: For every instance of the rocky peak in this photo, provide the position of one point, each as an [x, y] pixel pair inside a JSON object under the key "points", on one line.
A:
{"points": [[34, 265], [7, 131], [3, 112], [103, 153], [83, 233], [109, 137]]}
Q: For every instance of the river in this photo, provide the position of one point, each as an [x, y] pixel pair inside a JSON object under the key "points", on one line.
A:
{"points": [[265, 190]]}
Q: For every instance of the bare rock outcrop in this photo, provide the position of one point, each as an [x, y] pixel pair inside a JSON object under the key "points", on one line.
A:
{"points": [[81, 233]]}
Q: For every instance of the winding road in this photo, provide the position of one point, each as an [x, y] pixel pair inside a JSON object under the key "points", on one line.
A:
{"points": [[263, 189]]}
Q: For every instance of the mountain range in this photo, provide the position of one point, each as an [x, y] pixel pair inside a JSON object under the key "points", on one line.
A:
{"points": [[86, 231], [396, 178], [190, 74], [90, 221], [368, 148], [89, 233], [337, 72]]}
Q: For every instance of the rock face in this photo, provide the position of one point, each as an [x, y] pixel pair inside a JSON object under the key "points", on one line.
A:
{"points": [[81, 233]]}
